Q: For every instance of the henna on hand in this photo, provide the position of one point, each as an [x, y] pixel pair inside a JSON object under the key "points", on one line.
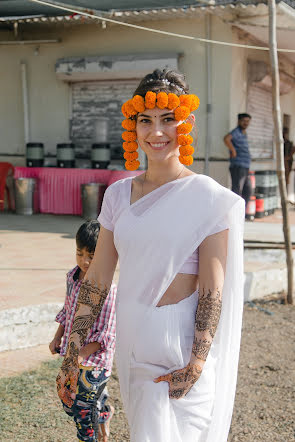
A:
{"points": [[90, 302], [207, 318], [181, 381]]}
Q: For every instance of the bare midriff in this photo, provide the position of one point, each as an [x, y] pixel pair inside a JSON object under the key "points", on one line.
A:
{"points": [[183, 286]]}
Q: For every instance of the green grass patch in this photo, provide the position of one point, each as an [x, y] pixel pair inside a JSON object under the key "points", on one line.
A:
{"points": [[30, 408]]}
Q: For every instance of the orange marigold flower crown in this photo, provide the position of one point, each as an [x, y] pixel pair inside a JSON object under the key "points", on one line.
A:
{"points": [[183, 105]]}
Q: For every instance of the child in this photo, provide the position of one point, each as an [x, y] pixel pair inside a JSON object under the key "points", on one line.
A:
{"points": [[91, 414]]}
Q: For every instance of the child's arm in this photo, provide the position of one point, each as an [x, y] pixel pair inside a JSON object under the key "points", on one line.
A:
{"points": [[87, 350], [54, 345]]}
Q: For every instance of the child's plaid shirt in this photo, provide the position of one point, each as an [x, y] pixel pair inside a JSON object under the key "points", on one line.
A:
{"points": [[103, 329]]}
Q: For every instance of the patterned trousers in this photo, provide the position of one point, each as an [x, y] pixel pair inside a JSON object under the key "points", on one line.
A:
{"points": [[89, 408]]}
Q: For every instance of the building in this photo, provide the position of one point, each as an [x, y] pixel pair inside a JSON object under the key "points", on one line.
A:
{"points": [[59, 72]]}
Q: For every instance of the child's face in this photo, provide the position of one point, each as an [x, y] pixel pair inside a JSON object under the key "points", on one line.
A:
{"points": [[83, 258]]}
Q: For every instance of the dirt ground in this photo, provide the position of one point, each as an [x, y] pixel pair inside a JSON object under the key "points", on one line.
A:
{"points": [[264, 406]]}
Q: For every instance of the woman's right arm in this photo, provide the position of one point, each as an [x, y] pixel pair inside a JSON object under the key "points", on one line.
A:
{"points": [[92, 295]]}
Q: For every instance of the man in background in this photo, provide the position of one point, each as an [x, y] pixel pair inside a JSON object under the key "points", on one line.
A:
{"points": [[237, 143], [289, 150]]}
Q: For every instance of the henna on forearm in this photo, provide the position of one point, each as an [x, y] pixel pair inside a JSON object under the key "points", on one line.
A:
{"points": [[90, 302], [89, 305], [207, 318]]}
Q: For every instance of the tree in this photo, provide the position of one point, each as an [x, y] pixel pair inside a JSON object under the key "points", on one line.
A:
{"points": [[279, 143]]}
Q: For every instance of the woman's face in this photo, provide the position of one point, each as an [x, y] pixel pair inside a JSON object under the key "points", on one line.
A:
{"points": [[156, 133]]}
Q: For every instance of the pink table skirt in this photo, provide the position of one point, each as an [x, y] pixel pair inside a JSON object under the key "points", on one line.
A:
{"points": [[58, 190]]}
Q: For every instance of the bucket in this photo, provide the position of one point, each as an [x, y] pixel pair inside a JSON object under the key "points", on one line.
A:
{"points": [[100, 155], [92, 196], [24, 195], [34, 154], [260, 210], [65, 155], [263, 181]]}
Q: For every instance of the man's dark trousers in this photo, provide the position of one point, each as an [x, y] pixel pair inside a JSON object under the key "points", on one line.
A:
{"points": [[241, 183]]}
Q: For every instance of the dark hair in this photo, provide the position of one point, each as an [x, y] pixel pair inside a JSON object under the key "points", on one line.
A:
{"points": [[87, 235], [241, 116], [163, 81]]}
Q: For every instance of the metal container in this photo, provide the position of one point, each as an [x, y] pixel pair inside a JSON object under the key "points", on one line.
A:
{"points": [[65, 155], [101, 126], [100, 155], [24, 195], [92, 196], [35, 154]]}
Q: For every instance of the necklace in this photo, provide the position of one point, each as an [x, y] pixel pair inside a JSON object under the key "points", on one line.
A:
{"points": [[143, 182]]}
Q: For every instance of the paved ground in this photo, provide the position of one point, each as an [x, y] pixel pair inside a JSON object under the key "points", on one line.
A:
{"points": [[37, 251]]}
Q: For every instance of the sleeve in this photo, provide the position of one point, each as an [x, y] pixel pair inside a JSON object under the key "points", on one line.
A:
{"points": [[222, 225], [61, 316], [106, 216], [105, 331]]}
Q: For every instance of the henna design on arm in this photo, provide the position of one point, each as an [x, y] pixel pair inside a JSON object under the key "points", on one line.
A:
{"points": [[206, 322], [207, 319], [89, 305]]}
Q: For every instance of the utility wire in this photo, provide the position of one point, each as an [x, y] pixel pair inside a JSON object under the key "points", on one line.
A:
{"points": [[93, 15]]}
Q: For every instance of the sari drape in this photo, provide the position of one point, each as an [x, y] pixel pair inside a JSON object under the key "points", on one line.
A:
{"points": [[154, 237]]}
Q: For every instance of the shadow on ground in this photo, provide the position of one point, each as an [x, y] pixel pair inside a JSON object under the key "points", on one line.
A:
{"points": [[66, 225]]}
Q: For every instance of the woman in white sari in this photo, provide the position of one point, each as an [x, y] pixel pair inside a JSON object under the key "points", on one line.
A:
{"points": [[178, 236]]}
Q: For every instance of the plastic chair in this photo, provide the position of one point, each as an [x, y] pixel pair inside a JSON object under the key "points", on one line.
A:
{"points": [[6, 169]]}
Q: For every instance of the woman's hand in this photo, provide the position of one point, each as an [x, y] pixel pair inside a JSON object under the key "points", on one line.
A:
{"points": [[66, 383], [181, 381]]}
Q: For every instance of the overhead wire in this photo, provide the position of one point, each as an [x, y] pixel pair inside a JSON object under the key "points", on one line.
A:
{"points": [[93, 15]]}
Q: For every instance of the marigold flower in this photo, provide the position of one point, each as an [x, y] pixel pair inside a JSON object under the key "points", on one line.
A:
{"points": [[162, 100], [132, 165], [186, 160], [186, 150], [181, 113], [186, 100], [129, 124], [138, 103], [124, 111], [128, 109], [184, 128], [130, 156], [173, 101], [184, 139], [195, 103], [150, 100], [129, 136], [130, 146]]}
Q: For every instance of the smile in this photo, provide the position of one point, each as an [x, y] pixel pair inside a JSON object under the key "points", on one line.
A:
{"points": [[158, 146]]}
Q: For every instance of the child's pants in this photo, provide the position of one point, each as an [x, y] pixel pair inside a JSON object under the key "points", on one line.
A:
{"points": [[89, 407]]}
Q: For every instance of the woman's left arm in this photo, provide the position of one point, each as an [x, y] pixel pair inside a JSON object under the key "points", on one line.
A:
{"points": [[212, 263]]}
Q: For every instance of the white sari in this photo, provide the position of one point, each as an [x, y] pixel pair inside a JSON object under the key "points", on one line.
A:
{"points": [[154, 237]]}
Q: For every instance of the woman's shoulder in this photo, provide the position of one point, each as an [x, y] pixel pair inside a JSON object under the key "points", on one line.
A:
{"points": [[204, 183], [118, 187]]}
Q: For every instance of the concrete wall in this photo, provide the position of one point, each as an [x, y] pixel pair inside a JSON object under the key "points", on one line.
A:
{"points": [[49, 97]]}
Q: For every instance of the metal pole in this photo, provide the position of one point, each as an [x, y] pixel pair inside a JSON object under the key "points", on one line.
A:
{"points": [[25, 101], [208, 142]]}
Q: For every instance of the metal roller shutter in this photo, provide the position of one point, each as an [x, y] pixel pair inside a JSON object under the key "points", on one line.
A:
{"points": [[260, 131], [94, 99]]}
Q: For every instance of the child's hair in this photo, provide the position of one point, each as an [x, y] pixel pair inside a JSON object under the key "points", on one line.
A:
{"points": [[87, 235], [163, 81]]}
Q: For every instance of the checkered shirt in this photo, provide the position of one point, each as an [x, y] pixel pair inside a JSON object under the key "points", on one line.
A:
{"points": [[102, 331]]}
